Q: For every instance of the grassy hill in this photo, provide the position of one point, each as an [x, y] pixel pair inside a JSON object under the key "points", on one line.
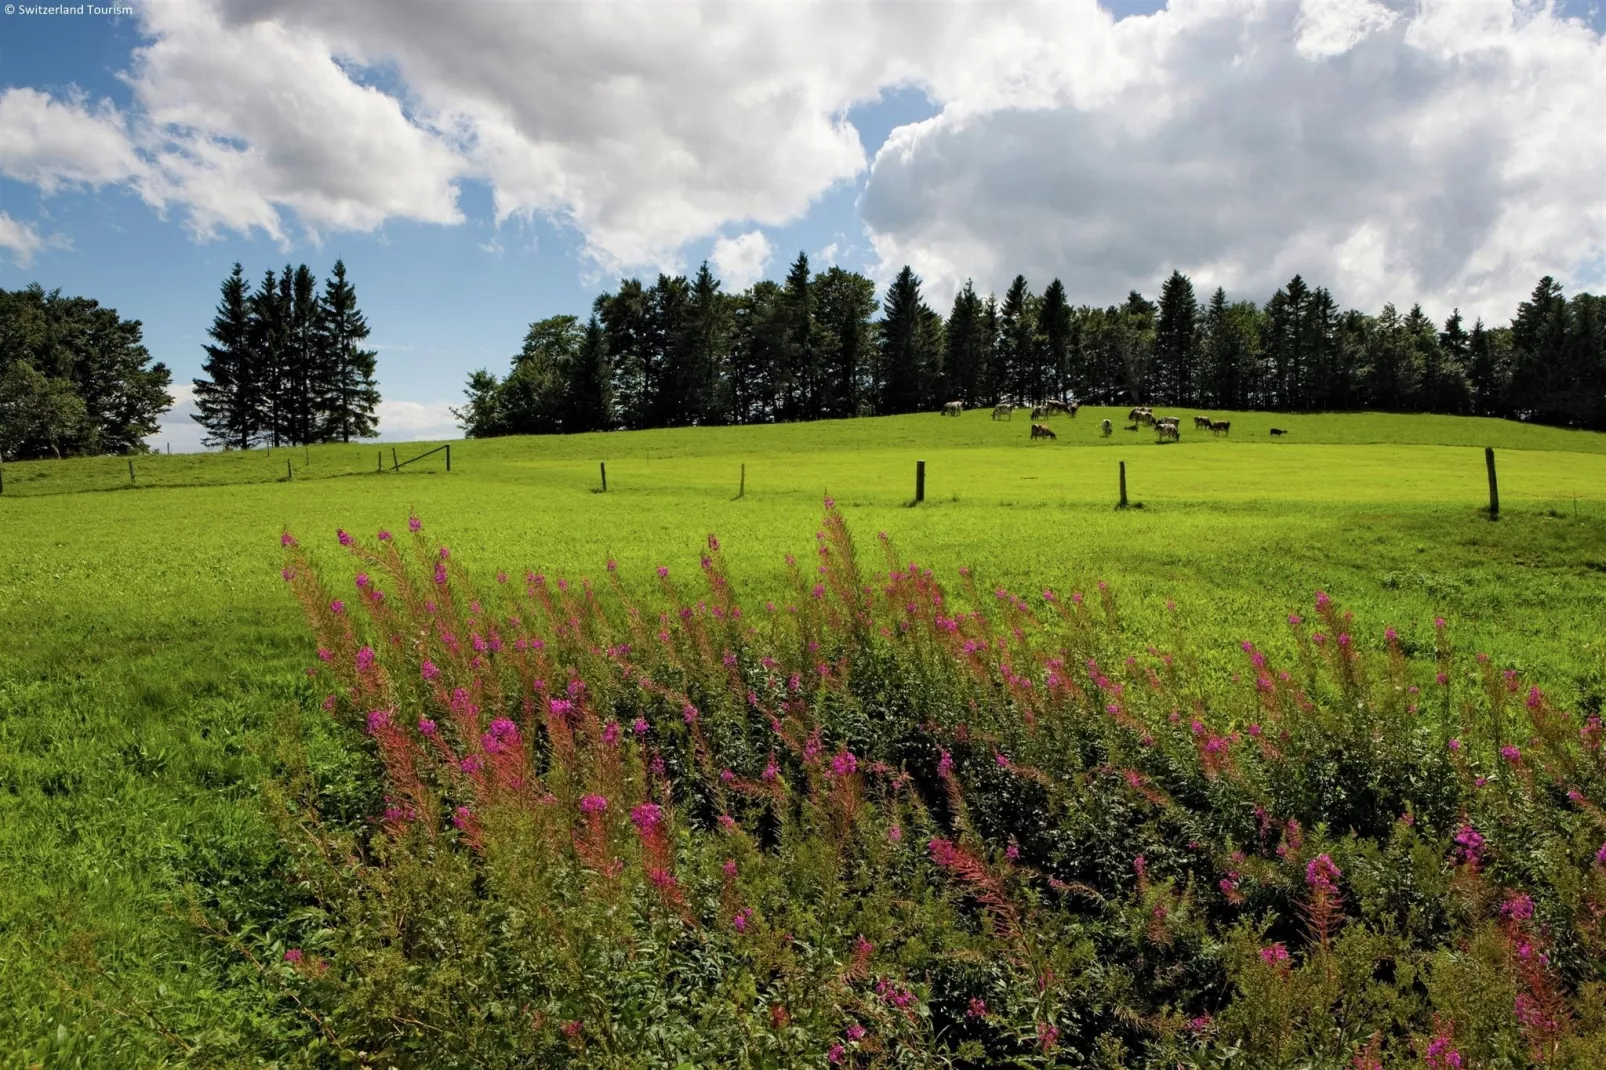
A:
{"points": [[150, 645]]}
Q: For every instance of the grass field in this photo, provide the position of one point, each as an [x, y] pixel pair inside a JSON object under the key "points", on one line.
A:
{"points": [[148, 644]]}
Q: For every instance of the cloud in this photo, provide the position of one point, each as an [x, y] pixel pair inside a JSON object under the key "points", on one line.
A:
{"points": [[23, 240], [176, 429], [53, 143], [1453, 157], [409, 421], [1447, 151], [740, 261]]}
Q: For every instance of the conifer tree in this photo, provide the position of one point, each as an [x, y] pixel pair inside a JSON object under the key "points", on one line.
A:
{"points": [[350, 393], [227, 397]]}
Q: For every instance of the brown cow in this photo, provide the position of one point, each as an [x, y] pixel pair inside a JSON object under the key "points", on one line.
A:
{"points": [[953, 408], [1220, 427], [1043, 431], [1201, 423], [1167, 431], [1039, 413], [1003, 412], [1058, 406], [1072, 408]]}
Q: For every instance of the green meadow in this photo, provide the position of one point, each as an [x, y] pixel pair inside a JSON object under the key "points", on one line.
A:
{"points": [[149, 646]]}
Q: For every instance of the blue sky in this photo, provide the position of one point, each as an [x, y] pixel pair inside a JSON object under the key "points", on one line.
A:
{"points": [[446, 297]]}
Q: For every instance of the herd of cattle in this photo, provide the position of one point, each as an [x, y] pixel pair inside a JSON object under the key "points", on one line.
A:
{"points": [[1166, 428]]}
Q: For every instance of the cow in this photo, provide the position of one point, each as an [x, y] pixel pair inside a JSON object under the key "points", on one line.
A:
{"points": [[1003, 412], [1145, 417], [1276, 431], [1220, 427], [1106, 427], [1133, 415], [1043, 431], [1201, 423], [1055, 406], [1039, 412], [953, 408], [1166, 431]]}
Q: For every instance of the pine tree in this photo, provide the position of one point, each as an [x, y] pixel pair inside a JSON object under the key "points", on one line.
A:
{"points": [[590, 393], [964, 355], [1054, 326], [1176, 340], [758, 345], [349, 392], [303, 360], [907, 358], [708, 331], [800, 370], [227, 399]]}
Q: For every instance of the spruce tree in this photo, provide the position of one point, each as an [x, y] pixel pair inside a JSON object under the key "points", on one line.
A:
{"points": [[964, 348], [1176, 340], [800, 373], [1019, 341], [227, 397], [590, 390], [1054, 325], [303, 360], [906, 338], [349, 392], [707, 344], [623, 316]]}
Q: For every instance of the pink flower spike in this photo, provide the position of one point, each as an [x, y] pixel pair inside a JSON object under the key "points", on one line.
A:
{"points": [[414, 524]]}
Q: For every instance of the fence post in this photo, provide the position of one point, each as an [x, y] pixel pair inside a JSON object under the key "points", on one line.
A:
{"points": [[448, 456], [604, 466], [1123, 485], [1494, 486], [131, 469], [920, 481], [741, 491], [289, 473], [379, 462], [2, 480], [395, 467]]}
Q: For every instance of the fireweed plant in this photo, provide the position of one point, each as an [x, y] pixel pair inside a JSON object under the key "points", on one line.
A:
{"points": [[887, 822]]}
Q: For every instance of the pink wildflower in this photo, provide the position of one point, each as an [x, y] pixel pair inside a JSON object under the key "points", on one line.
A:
{"points": [[593, 804]]}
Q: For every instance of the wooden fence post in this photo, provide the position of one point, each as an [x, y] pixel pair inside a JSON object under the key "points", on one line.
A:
{"points": [[379, 462], [1494, 486], [131, 469], [741, 491], [393, 465], [1123, 485], [604, 466], [920, 481], [448, 456], [289, 473]]}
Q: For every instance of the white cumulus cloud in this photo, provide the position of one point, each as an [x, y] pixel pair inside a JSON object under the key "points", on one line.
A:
{"points": [[1453, 157], [1449, 152], [740, 261]]}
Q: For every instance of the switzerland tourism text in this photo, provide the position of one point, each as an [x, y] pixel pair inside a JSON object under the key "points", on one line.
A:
{"points": [[68, 9]]}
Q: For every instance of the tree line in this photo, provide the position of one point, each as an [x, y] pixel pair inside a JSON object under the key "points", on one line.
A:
{"points": [[75, 378], [286, 364], [819, 346]]}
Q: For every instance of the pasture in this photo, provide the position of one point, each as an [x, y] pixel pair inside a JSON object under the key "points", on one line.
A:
{"points": [[149, 647]]}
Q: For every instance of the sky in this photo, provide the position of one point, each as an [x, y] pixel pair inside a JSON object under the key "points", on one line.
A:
{"points": [[482, 166]]}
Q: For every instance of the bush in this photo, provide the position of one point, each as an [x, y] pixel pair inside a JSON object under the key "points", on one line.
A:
{"points": [[886, 824]]}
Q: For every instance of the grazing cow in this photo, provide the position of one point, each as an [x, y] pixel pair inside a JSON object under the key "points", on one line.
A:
{"points": [[1276, 431], [1003, 412], [1220, 427], [1133, 415], [1039, 413], [1058, 406], [1072, 408], [1042, 431], [1201, 423], [1167, 431], [953, 408], [1107, 427], [1146, 418]]}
